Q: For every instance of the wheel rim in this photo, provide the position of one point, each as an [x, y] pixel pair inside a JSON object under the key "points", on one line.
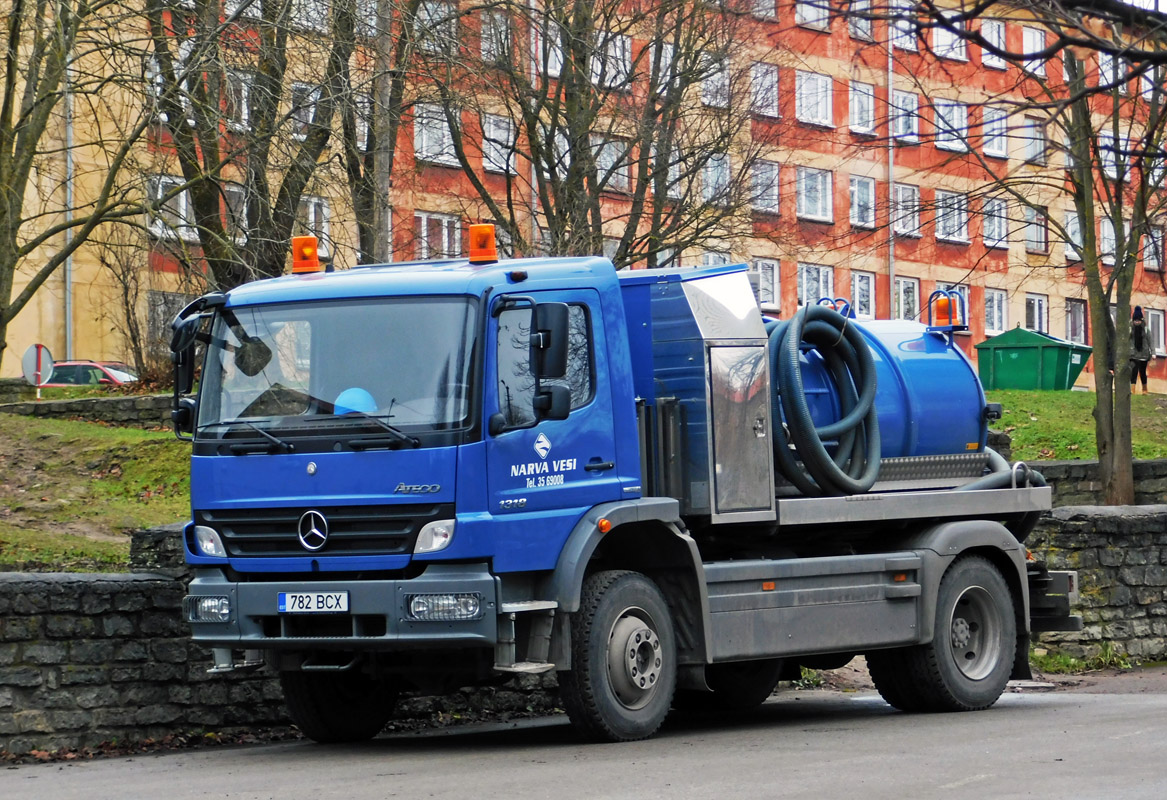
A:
{"points": [[634, 658], [975, 633]]}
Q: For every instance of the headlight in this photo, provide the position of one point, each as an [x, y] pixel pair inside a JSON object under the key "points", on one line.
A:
{"points": [[459, 607], [435, 536], [208, 542], [196, 608]]}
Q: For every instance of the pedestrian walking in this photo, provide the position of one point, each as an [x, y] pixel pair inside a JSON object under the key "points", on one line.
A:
{"points": [[1140, 347]]}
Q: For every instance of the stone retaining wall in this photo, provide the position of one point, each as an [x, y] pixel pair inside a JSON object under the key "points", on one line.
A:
{"points": [[1120, 553], [146, 411], [1076, 483]]}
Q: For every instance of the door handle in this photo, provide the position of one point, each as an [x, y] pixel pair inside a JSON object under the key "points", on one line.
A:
{"points": [[599, 466]]}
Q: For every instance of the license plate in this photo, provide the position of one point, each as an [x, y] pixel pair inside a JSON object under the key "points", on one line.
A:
{"points": [[312, 602]]}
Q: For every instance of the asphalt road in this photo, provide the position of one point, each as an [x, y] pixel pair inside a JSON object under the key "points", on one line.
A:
{"points": [[821, 745]]}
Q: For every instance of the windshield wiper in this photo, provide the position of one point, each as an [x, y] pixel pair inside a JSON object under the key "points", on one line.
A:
{"points": [[367, 442], [280, 444]]}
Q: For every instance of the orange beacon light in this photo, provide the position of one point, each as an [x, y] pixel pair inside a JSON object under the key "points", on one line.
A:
{"points": [[305, 255]]}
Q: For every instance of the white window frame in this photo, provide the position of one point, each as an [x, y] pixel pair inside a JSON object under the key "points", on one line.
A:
{"points": [[952, 217], [433, 142], [995, 132], [238, 88], [551, 65], [1036, 229], [450, 230], [1036, 312], [715, 179], [993, 31], [764, 89], [1113, 70], [905, 25], [715, 258], [1034, 138], [715, 83], [315, 221], [769, 280], [763, 9], [1077, 311], [498, 144], [230, 217], [819, 277], [813, 189], [310, 15], [862, 202], [905, 116], [861, 105], [303, 110], [996, 311], [962, 290], [1109, 158], [947, 44], [436, 27], [1155, 327], [1033, 41], [1073, 231], [812, 98], [951, 125], [907, 289], [815, 14], [859, 26], [996, 222], [906, 207], [173, 219], [1107, 243], [611, 159], [765, 190], [1153, 249], [611, 65], [863, 304], [496, 37]]}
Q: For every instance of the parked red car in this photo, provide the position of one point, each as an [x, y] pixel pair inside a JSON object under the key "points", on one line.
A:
{"points": [[90, 373]]}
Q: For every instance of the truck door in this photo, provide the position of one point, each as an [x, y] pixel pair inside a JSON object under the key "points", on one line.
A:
{"points": [[543, 474]]}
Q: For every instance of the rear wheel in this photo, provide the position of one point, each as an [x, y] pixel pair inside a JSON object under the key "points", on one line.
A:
{"points": [[623, 657], [734, 687], [347, 706]]}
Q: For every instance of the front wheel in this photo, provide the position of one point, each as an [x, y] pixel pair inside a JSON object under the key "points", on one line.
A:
{"points": [[347, 706], [623, 659]]}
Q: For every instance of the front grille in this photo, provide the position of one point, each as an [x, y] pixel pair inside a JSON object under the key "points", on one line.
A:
{"points": [[352, 530]]}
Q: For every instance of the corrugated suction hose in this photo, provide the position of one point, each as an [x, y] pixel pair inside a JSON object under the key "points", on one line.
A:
{"points": [[855, 464]]}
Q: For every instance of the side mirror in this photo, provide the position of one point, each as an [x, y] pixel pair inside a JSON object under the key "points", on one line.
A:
{"points": [[183, 416], [551, 332], [105, 381], [553, 402]]}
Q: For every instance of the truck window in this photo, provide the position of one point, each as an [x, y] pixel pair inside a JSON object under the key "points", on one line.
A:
{"points": [[516, 383], [579, 377]]}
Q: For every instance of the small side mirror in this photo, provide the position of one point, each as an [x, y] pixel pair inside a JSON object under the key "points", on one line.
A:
{"points": [[105, 381], [551, 332], [553, 402], [183, 416]]}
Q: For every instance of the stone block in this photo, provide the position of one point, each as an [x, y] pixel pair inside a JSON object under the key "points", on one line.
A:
{"points": [[171, 652], [180, 695], [6, 697], [163, 672], [157, 715], [91, 652], [161, 623], [130, 651], [1133, 576], [1110, 557], [64, 601], [20, 629], [1147, 595], [125, 674], [130, 601], [9, 654], [1156, 576], [20, 676], [113, 717], [95, 603], [1136, 556], [41, 653], [1120, 595], [31, 602], [31, 721], [69, 720], [117, 625], [72, 675], [96, 697], [144, 695]]}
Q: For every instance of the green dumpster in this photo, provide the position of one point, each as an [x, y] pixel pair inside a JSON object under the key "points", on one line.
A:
{"points": [[1021, 359]]}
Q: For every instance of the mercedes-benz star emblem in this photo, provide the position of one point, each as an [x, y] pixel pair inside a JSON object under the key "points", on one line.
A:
{"points": [[313, 530]]}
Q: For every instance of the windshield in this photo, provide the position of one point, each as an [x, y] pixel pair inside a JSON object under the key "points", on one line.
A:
{"points": [[403, 360]]}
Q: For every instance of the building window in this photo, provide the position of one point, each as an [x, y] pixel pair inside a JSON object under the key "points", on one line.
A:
{"points": [[310, 14], [764, 90], [1109, 155], [905, 116], [951, 217], [238, 99], [993, 32], [763, 9], [436, 235], [612, 61], [436, 26], [996, 308], [1153, 249], [1037, 312], [996, 213], [715, 179], [235, 212], [996, 129], [1155, 327], [611, 157], [548, 48], [305, 96], [906, 207], [814, 194], [498, 144], [764, 179], [858, 23], [1106, 242], [1076, 321], [813, 98], [812, 14], [714, 258], [863, 294], [496, 37], [814, 283], [715, 84], [949, 43], [862, 202], [907, 298], [904, 24], [312, 220], [862, 101], [766, 272], [1036, 229], [432, 140], [1033, 137], [1033, 42], [1073, 230], [173, 219], [1112, 72], [951, 125]]}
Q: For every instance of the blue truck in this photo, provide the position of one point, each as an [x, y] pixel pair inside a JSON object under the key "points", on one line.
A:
{"points": [[423, 476]]}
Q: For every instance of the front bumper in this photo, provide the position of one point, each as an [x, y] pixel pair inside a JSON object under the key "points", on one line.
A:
{"points": [[376, 619]]}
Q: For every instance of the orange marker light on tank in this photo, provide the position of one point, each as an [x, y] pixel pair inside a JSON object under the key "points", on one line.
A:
{"points": [[305, 255], [483, 248]]}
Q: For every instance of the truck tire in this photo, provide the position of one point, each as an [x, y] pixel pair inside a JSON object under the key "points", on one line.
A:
{"points": [[623, 656], [968, 662], [735, 688], [347, 706]]}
